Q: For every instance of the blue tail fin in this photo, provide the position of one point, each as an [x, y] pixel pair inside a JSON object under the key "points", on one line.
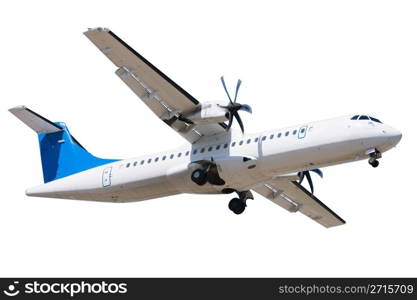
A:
{"points": [[61, 153]]}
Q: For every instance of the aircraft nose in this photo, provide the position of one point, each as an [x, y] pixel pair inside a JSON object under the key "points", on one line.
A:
{"points": [[394, 135]]}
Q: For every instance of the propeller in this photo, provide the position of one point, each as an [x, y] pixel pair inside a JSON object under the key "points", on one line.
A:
{"points": [[307, 175], [233, 107]]}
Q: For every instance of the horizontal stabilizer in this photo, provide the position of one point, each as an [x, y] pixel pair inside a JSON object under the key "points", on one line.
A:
{"points": [[38, 123]]}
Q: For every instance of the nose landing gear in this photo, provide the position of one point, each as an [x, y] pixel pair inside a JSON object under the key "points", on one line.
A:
{"points": [[373, 158], [373, 162]]}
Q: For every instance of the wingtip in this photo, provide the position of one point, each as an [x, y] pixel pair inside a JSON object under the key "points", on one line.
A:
{"points": [[17, 108], [96, 29]]}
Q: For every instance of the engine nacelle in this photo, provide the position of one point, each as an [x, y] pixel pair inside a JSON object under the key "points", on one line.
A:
{"points": [[209, 112]]}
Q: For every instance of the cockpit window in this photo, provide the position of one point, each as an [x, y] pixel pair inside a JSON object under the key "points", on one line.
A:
{"points": [[375, 120], [363, 117]]}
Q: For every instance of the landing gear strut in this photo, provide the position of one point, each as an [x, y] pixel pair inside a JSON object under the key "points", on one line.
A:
{"points": [[238, 205], [373, 158]]}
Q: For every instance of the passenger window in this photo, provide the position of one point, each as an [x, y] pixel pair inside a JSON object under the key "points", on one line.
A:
{"points": [[187, 153], [302, 130], [171, 156], [210, 148], [264, 138], [240, 143], [179, 154], [195, 151], [233, 144], [135, 163], [279, 135], [294, 132], [271, 136], [156, 159], [127, 165], [217, 147], [256, 140], [149, 160], [142, 162], [248, 141], [164, 157], [202, 150], [225, 146], [287, 133]]}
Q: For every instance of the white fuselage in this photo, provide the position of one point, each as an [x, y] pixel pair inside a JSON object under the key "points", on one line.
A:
{"points": [[306, 146]]}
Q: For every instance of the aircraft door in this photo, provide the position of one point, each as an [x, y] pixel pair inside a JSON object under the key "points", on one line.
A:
{"points": [[106, 177], [302, 132]]}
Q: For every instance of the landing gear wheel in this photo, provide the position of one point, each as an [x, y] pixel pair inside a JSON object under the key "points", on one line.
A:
{"points": [[199, 176], [237, 205], [373, 162]]}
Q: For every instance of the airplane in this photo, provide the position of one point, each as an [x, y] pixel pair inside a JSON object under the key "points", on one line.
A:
{"points": [[216, 159]]}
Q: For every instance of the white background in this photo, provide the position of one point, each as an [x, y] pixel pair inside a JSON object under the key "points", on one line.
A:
{"points": [[299, 61]]}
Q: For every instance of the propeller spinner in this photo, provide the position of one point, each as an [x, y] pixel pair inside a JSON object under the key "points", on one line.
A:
{"points": [[233, 107]]}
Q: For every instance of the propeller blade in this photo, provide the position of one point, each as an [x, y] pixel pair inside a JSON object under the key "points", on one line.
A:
{"points": [[318, 172], [239, 82], [233, 106], [246, 108], [239, 120], [230, 121], [310, 181], [225, 88], [301, 177]]}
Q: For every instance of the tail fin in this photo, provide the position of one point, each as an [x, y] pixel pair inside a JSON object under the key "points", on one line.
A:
{"points": [[61, 153]]}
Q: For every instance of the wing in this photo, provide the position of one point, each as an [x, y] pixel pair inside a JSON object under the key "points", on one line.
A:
{"points": [[292, 196], [162, 95]]}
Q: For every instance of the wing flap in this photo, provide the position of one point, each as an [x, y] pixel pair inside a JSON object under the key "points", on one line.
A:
{"points": [[313, 208], [161, 109], [275, 195], [293, 197]]}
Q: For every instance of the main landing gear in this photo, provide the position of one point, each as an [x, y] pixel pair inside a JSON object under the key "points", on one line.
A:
{"points": [[238, 205], [199, 176], [207, 173], [373, 158]]}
